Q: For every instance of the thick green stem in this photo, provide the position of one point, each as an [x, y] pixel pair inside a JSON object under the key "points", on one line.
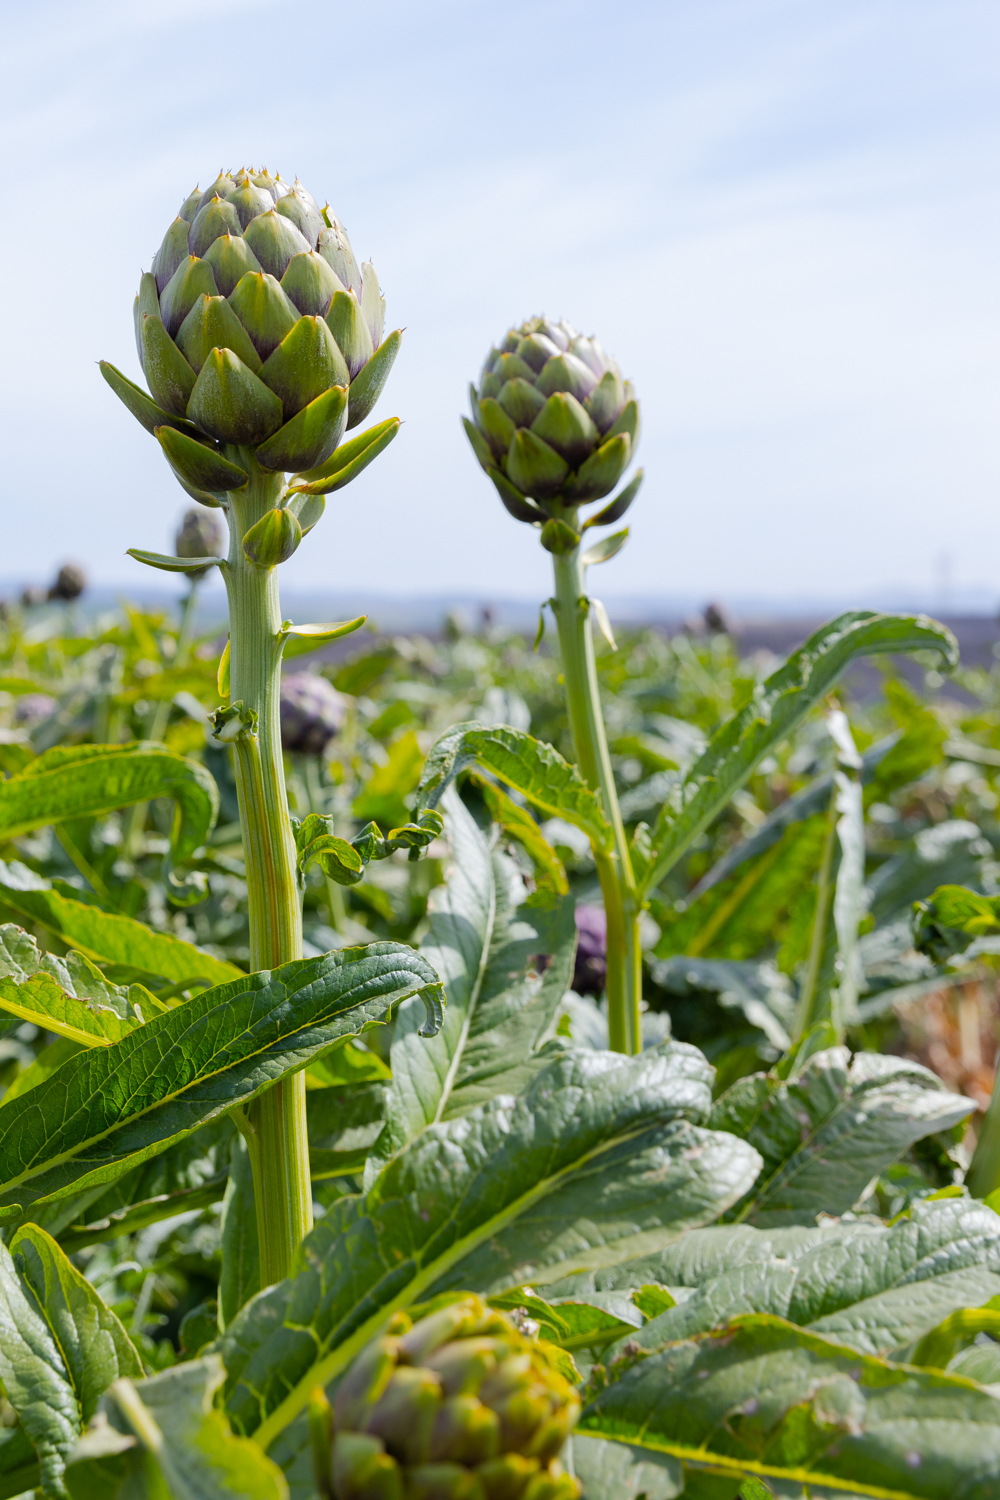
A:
{"points": [[275, 1126], [614, 869], [813, 1005], [983, 1176]]}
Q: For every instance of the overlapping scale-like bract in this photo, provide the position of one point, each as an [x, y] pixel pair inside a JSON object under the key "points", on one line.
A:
{"points": [[553, 422], [458, 1406], [256, 328]]}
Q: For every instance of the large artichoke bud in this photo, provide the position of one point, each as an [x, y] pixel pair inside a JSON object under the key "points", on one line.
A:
{"points": [[260, 338], [554, 425], [459, 1406]]}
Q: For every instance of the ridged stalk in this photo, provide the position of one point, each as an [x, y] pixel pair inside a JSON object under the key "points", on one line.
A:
{"points": [[275, 1124], [983, 1176], [614, 870]]}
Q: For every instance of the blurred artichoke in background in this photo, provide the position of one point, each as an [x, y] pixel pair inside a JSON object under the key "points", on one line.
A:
{"points": [[312, 713], [590, 969], [553, 423], [70, 583], [34, 708], [200, 534], [258, 333], [460, 1406]]}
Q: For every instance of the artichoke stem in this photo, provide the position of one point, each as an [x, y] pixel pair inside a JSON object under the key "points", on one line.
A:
{"points": [[983, 1176], [276, 1120], [614, 870]]}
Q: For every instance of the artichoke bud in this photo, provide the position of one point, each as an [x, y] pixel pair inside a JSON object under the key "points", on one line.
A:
{"points": [[552, 421], [200, 534], [70, 583], [256, 327], [460, 1406], [273, 539], [557, 537], [312, 712], [234, 723]]}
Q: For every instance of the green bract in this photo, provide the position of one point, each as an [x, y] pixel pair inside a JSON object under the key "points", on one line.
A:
{"points": [[553, 422], [256, 329]]}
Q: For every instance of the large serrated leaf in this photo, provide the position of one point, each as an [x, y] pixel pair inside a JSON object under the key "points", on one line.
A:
{"points": [[877, 1289], [108, 937], [826, 1133], [60, 1348], [775, 709], [67, 995], [107, 1110], [189, 1445], [533, 768], [88, 780], [465, 1184], [505, 967], [765, 1399]]}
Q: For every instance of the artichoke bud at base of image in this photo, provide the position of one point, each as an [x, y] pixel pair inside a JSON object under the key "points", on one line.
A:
{"points": [[458, 1406]]}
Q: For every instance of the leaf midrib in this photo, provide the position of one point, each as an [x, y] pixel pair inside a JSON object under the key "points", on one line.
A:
{"points": [[448, 1085], [329, 1364], [202, 1077]]}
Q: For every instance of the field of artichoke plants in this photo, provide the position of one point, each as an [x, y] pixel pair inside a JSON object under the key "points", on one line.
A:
{"points": [[472, 1068]]}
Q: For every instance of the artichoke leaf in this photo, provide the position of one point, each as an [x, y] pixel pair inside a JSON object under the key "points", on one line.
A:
{"points": [[199, 464], [142, 406], [605, 549], [348, 461], [297, 640], [167, 563]]}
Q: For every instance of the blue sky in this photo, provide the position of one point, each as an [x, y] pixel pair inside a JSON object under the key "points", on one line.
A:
{"points": [[782, 218]]}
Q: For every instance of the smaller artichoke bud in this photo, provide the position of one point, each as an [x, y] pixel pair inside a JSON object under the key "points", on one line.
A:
{"points": [[590, 970], [312, 713], [32, 595], [273, 539], [459, 1406], [70, 583], [554, 425], [200, 534], [35, 708]]}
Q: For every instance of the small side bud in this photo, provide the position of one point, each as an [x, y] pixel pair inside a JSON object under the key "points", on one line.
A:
{"points": [[557, 537], [273, 539], [234, 723]]}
